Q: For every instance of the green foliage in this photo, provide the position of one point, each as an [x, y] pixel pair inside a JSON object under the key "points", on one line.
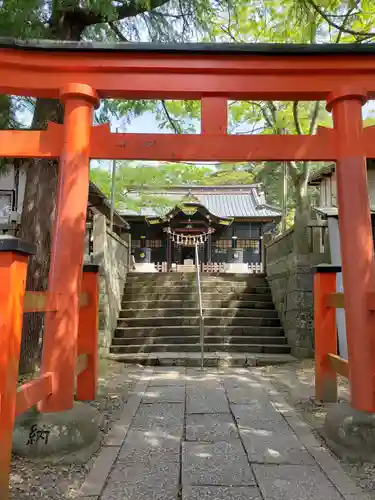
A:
{"points": [[135, 176]]}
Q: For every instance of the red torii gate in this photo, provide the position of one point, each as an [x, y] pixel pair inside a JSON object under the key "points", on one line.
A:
{"points": [[80, 74]]}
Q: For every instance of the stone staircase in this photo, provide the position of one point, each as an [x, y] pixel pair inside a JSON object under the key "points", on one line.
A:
{"points": [[159, 321]]}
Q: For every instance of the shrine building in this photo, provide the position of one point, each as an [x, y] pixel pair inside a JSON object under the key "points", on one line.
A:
{"points": [[228, 223]]}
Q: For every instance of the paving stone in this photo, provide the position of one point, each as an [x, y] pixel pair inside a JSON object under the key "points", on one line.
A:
{"points": [[165, 394], [174, 377], [163, 370], [147, 447], [336, 474], [273, 442], [221, 464], [120, 428], [212, 373], [97, 477], [157, 470], [165, 419], [294, 482], [211, 427], [255, 413], [236, 377], [221, 493], [246, 394], [120, 491], [159, 482], [206, 398], [208, 376]]}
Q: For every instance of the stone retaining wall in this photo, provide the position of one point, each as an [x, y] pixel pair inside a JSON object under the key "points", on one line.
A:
{"points": [[290, 277], [112, 253]]}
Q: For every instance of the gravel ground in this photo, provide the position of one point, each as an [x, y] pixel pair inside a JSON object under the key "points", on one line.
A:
{"points": [[40, 481], [296, 382]]}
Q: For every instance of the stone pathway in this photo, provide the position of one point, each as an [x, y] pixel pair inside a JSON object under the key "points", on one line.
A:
{"points": [[213, 435]]}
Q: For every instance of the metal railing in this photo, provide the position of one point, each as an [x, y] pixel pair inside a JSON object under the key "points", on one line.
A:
{"points": [[200, 303]]}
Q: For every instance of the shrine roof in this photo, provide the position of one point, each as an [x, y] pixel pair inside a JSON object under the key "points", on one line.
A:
{"points": [[328, 171], [246, 201], [191, 48]]}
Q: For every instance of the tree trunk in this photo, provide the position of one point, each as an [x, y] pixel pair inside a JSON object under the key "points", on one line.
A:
{"points": [[36, 227], [39, 204]]}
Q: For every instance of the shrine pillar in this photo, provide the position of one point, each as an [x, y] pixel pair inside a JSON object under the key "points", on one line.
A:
{"points": [[209, 248], [65, 274], [357, 251], [169, 251]]}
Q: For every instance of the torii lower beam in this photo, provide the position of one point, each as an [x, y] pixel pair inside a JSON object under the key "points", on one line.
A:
{"points": [[173, 147]]}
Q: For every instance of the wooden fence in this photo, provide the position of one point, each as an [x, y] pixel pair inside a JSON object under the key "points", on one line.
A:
{"points": [[14, 302], [210, 267], [327, 361]]}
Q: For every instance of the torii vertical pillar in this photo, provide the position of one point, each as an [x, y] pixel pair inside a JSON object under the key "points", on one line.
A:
{"points": [[65, 274], [356, 243]]}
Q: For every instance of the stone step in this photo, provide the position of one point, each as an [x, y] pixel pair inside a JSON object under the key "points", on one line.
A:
{"points": [[227, 331], [195, 340], [194, 311], [211, 359], [191, 320], [153, 348], [192, 295], [206, 287], [207, 304], [191, 277]]}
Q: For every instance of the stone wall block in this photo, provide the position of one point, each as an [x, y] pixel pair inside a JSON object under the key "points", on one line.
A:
{"points": [[291, 280], [112, 254]]}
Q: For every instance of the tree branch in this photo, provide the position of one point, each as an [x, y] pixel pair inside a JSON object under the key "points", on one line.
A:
{"points": [[266, 117], [296, 118], [228, 32], [339, 27], [345, 20], [118, 32], [133, 8], [174, 123], [293, 170], [314, 117]]}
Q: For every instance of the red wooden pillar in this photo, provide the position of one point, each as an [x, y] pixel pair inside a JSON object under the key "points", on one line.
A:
{"points": [[65, 274], [88, 334], [325, 333], [214, 115], [356, 243], [13, 266]]}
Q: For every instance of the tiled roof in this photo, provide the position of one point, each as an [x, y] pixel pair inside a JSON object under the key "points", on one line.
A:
{"points": [[221, 201], [329, 170], [318, 176], [333, 211]]}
